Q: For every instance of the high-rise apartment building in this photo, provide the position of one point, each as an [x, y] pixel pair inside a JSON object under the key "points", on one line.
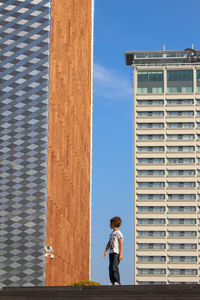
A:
{"points": [[166, 87], [45, 141]]}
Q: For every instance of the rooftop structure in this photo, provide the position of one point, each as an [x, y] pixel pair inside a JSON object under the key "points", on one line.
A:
{"points": [[162, 57]]}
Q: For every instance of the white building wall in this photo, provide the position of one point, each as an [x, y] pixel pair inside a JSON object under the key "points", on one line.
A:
{"points": [[167, 271]]}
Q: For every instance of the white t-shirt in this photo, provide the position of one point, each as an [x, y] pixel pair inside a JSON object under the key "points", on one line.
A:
{"points": [[115, 236]]}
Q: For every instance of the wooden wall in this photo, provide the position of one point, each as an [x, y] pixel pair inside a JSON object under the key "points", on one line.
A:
{"points": [[68, 190]]}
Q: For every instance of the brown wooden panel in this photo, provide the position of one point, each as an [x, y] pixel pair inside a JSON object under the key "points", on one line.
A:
{"points": [[68, 190]]}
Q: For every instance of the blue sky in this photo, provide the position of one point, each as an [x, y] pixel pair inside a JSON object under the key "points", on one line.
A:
{"points": [[121, 25]]}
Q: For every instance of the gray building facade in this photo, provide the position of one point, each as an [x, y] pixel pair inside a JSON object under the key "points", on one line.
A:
{"points": [[24, 81]]}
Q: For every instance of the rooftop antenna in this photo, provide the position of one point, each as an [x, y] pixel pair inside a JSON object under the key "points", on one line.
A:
{"points": [[164, 54]]}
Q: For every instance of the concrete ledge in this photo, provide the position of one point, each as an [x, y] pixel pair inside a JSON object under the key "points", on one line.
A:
{"points": [[150, 292]]}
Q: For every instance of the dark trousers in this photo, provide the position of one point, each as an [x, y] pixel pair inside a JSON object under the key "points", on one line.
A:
{"points": [[113, 267]]}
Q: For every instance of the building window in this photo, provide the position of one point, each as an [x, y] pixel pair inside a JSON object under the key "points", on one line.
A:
{"points": [[180, 136], [182, 259], [182, 272], [181, 196], [198, 81], [147, 246], [187, 234], [146, 233], [150, 160], [150, 172], [151, 184], [181, 160], [183, 282], [179, 246], [179, 81], [151, 196], [180, 148], [151, 148], [189, 184], [151, 258], [181, 172], [145, 221], [146, 271], [142, 209], [149, 102], [180, 113], [150, 282], [180, 125], [180, 101], [150, 125], [150, 114], [150, 82], [181, 221], [176, 209], [151, 137]]}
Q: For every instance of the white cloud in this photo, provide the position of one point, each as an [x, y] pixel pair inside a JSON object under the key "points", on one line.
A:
{"points": [[111, 84]]}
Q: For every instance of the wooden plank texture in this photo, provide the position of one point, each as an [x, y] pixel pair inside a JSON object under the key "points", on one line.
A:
{"points": [[68, 189]]}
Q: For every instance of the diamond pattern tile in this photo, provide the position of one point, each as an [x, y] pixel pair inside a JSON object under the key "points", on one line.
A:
{"points": [[24, 81]]}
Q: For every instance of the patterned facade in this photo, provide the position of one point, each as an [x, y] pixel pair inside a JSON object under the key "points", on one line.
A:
{"points": [[45, 138]]}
